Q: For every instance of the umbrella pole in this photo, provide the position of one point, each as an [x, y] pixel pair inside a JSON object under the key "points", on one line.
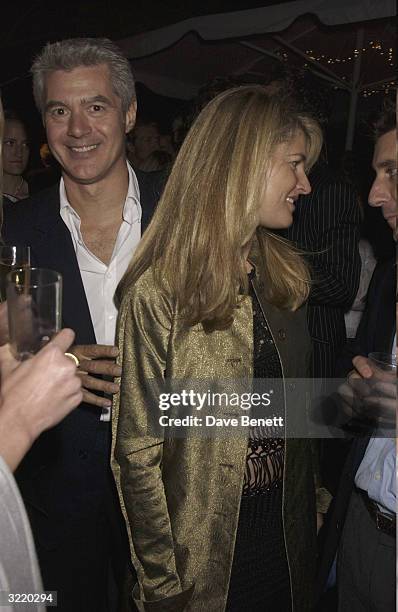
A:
{"points": [[354, 92]]}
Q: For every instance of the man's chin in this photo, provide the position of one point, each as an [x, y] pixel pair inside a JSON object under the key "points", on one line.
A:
{"points": [[80, 180]]}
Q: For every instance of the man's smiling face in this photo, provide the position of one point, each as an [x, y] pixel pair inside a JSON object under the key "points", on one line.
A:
{"points": [[85, 123]]}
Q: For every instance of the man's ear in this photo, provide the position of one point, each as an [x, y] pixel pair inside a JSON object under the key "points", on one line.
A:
{"points": [[130, 116]]}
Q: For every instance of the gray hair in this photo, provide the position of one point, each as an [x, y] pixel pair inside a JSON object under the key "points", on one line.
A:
{"points": [[76, 52]]}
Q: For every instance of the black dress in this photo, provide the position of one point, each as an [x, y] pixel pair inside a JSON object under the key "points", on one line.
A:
{"points": [[260, 575]]}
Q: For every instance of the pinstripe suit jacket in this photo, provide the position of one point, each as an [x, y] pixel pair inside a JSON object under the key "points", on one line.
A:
{"points": [[326, 225]]}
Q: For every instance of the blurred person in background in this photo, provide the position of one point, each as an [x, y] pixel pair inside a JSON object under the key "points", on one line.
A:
{"points": [[142, 142], [15, 157], [166, 143]]}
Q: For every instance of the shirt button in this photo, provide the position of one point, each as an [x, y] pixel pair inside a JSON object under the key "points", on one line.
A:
{"points": [[377, 475], [282, 334]]}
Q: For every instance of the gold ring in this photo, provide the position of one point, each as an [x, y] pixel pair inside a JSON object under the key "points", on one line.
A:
{"points": [[74, 358]]}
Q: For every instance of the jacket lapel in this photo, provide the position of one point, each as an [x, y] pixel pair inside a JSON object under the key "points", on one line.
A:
{"points": [[52, 248]]}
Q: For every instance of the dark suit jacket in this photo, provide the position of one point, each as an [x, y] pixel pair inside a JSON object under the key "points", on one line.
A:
{"points": [[326, 227], [64, 476], [375, 333]]}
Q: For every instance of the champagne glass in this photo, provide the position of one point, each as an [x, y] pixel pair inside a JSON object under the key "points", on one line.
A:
{"points": [[34, 298], [11, 257], [384, 388], [384, 362]]}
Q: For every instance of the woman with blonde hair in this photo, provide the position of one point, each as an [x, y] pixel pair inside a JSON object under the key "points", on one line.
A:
{"points": [[212, 294]]}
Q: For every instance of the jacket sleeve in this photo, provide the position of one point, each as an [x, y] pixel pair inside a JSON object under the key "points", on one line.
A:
{"points": [[336, 263], [145, 322], [366, 330]]}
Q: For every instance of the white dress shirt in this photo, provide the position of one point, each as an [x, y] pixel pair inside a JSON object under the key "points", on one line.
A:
{"points": [[377, 473], [100, 280]]}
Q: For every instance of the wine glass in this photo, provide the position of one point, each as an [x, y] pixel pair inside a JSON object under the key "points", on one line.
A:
{"points": [[34, 298]]}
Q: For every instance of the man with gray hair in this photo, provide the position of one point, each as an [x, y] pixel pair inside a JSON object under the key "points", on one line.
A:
{"points": [[87, 228]]}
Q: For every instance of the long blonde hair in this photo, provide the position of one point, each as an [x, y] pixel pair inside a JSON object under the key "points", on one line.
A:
{"points": [[208, 212]]}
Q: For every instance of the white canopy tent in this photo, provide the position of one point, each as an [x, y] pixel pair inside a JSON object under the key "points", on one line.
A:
{"points": [[178, 59]]}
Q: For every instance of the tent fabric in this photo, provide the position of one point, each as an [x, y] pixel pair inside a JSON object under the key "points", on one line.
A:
{"points": [[273, 18]]}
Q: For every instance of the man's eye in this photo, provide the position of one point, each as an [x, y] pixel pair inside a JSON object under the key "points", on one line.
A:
{"points": [[8, 143], [58, 112], [97, 108]]}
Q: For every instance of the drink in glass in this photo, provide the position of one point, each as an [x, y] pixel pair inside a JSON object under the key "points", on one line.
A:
{"points": [[34, 298]]}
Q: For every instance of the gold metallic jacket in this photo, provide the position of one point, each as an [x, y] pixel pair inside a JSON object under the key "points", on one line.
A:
{"points": [[181, 497]]}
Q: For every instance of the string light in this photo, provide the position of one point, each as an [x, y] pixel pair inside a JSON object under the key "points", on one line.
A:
{"points": [[374, 46], [385, 87]]}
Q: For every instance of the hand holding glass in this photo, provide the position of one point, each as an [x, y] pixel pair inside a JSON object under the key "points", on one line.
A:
{"points": [[383, 395], [383, 362], [34, 297]]}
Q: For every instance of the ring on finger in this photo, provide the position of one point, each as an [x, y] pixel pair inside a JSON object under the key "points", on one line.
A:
{"points": [[74, 358]]}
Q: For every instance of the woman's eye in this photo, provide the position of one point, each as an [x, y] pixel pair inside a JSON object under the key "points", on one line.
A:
{"points": [[392, 172]]}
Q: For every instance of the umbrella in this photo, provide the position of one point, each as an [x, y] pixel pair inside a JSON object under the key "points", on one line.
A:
{"points": [[349, 43]]}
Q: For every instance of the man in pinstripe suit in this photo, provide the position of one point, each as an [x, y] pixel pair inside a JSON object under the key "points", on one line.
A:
{"points": [[326, 225]]}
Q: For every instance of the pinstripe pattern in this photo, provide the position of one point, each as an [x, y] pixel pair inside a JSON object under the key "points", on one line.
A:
{"points": [[326, 224]]}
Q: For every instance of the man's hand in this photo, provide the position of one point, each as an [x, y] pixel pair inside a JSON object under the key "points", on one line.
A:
{"points": [[370, 393], [381, 401], [97, 359]]}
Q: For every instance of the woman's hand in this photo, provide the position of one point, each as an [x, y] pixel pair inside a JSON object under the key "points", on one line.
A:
{"points": [[35, 395]]}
